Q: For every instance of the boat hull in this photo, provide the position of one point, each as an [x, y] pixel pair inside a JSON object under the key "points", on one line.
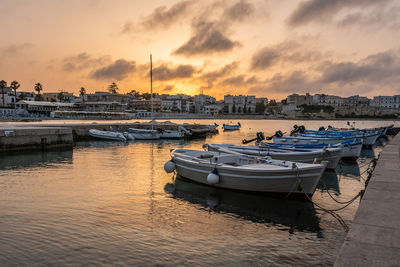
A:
{"points": [[107, 135], [141, 134], [257, 180]]}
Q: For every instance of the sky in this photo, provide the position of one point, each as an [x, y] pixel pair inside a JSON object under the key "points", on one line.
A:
{"points": [[258, 47]]}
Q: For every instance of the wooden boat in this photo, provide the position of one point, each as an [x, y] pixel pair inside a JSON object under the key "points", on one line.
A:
{"points": [[243, 172], [230, 127], [331, 155], [107, 135]]}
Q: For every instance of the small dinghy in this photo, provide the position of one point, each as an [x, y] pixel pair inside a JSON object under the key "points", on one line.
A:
{"points": [[107, 135], [369, 139], [173, 134], [331, 155], [213, 126], [230, 127], [243, 172]]}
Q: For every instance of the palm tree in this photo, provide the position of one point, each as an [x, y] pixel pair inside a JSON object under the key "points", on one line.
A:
{"points": [[38, 88], [113, 88], [3, 85], [15, 85], [82, 93]]}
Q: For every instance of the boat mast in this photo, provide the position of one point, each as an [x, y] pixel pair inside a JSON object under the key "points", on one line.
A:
{"points": [[151, 92]]}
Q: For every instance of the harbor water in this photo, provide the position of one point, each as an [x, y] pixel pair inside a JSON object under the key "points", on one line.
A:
{"points": [[110, 203]]}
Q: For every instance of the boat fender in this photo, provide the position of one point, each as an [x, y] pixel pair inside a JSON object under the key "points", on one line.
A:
{"points": [[213, 177], [169, 166]]}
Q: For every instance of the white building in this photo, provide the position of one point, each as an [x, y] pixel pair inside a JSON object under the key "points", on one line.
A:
{"points": [[202, 100], [386, 101], [7, 97], [212, 109], [177, 103], [239, 104]]}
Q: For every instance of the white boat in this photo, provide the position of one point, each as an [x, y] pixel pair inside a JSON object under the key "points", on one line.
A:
{"points": [[350, 148], [331, 155], [306, 140], [126, 133], [173, 134], [229, 127], [243, 172], [107, 135], [368, 138], [212, 126], [144, 134]]}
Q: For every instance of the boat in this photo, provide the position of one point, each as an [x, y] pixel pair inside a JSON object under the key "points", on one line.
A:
{"points": [[246, 173], [306, 140], [126, 133], [331, 155], [368, 138], [213, 126], [230, 127], [107, 135], [175, 134], [350, 148], [144, 134]]}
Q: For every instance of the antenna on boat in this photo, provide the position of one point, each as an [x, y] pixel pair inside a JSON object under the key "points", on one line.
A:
{"points": [[151, 92]]}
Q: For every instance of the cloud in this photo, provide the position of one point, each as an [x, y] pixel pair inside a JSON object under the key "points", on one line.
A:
{"points": [[381, 16], [15, 49], [118, 70], [207, 38], [161, 17], [300, 50], [240, 81], [264, 58], [239, 11], [212, 76], [320, 10], [83, 61], [164, 72], [377, 68], [168, 88]]}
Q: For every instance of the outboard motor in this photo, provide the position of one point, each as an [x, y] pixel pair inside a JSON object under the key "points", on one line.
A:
{"points": [[330, 127], [260, 136], [295, 130], [278, 133], [322, 128], [302, 129]]}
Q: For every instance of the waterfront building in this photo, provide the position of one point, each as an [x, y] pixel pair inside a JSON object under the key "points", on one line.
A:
{"points": [[99, 106], [386, 101], [202, 100], [58, 97], [298, 100], [144, 104], [177, 103], [7, 98], [239, 104], [212, 109]]}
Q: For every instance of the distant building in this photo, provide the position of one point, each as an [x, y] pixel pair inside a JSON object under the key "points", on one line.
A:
{"points": [[143, 104], [43, 107], [177, 103], [298, 100], [239, 104], [7, 97], [211, 109], [202, 100], [58, 97], [386, 101]]}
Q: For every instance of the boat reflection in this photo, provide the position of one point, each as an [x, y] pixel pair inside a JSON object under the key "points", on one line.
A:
{"points": [[329, 181], [294, 214], [35, 159]]}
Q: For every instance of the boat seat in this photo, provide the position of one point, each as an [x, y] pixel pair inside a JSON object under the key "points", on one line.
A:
{"points": [[226, 159]]}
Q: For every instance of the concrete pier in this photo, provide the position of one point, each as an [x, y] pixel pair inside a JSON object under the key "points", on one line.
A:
{"points": [[48, 135], [22, 138], [374, 237]]}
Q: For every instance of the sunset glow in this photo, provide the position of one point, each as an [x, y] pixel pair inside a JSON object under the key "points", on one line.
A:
{"points": [[263, 48]]}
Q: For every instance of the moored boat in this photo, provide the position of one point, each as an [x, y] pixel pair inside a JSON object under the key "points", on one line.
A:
{"points": [[243, 172], [144, 134], [350, 148], [306, 140], [175, 134], [230, 127], [107, 135], [331, 155], [368, 138]]}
